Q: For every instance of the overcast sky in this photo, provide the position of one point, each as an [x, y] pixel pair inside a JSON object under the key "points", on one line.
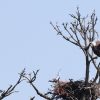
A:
{"points": [[27, 40]]}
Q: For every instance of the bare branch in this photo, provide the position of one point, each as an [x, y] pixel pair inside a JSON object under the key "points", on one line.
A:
{"points": [[66, 38], [11, 88], [31, 79], [32, 98]]}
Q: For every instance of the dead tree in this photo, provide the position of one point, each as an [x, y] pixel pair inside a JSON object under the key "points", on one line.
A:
{"points": [[11, 89], [80, 32]]}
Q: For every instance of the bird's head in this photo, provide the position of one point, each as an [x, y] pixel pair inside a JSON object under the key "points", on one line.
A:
{"points": [[93, 43]]}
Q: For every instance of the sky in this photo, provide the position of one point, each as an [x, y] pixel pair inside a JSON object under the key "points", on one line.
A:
{"points": [[27, 40]]}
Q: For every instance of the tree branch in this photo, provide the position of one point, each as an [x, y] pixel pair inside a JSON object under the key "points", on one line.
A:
{"points": [[31, 79], [11, 88]]}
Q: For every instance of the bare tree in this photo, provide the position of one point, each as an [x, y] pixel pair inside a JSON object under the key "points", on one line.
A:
{"points": [[80, 32], [11, 89]]}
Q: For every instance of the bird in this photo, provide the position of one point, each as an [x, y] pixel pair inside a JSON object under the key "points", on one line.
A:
{"points": [[95, 45]]}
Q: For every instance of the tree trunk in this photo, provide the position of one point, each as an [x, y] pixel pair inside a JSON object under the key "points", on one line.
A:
{"points": [[87, 70]]}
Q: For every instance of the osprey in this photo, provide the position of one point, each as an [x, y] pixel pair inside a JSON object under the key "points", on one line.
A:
{"points": [[95, 45]]}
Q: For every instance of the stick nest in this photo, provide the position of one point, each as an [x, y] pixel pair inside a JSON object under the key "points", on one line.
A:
{"points": [[74, 90]]}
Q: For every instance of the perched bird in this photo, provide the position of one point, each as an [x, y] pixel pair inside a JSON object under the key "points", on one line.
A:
{"points": [[95, 45]]}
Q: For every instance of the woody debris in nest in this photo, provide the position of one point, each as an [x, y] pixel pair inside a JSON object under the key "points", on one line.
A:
{"points": [[74, 90]]}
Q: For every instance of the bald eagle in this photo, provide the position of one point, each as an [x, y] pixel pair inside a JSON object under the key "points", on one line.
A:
{"points": [[95, 45]]}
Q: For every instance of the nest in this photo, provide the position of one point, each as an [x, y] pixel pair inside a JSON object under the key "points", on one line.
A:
{"points": [[75, 90]]}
